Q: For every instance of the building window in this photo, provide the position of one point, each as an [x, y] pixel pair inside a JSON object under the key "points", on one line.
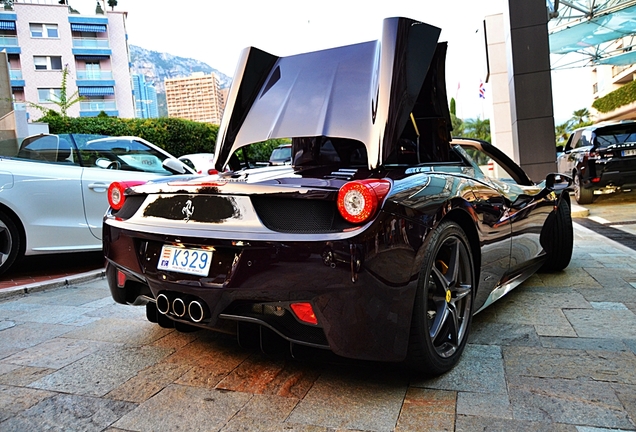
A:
{"points": [[93, 70], [49, 94], [47, 62], [43, 30]]}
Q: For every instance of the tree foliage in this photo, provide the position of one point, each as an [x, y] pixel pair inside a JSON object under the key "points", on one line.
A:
{"points": [[477, 128], [616, 99], [580, 118], [177, 136], [260, 152], [64, 102], [458, 126]]}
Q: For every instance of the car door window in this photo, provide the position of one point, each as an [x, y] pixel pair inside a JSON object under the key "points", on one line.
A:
{"points": [[586, 139], [487, 166], [573, 141]]}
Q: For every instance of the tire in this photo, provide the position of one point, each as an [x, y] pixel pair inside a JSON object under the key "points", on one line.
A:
{"points": [[557, 238], [11, 244], [443, 303], [581, 194]]}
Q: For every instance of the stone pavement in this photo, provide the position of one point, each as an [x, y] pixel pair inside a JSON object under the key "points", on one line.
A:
{"points": [[556, 354]]}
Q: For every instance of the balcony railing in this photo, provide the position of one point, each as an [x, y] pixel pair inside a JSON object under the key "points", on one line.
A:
{"points": [[617, 70], [8, 41], [90, 43], [96, 75], [98, 106], [15, 74]]}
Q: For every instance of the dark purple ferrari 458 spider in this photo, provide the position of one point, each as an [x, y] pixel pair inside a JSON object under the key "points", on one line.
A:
{"points": [[380, 241]]}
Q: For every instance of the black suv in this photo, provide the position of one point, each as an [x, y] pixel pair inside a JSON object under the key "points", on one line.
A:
{"points": [[600, 158]]}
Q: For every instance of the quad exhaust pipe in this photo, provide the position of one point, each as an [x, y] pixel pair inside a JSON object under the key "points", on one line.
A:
{"points": [[194, 310]]}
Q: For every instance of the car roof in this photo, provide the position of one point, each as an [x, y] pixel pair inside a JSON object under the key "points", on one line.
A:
{"points": [[601, 125]]}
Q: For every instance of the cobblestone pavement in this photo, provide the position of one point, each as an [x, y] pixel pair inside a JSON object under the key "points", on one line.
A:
{"points": [[556, 354]]}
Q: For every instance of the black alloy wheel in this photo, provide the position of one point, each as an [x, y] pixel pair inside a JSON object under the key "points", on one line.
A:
{"points": [[444, 302], [10, 243], [581, 194]]}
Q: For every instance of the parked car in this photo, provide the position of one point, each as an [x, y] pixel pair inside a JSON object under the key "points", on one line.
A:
{"points": [[379, 242], [281, 155], [54, 187], [202, 163], [601, 159]]}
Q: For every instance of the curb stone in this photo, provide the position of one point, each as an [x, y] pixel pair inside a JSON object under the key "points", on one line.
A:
{"points": [[53, 283], [578, 211]]}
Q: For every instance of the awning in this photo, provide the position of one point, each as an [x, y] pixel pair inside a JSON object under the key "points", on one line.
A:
{"points": [[594, 31], [7, 25], [624, 59], [91, 57], [94, 28], [96, 91]]}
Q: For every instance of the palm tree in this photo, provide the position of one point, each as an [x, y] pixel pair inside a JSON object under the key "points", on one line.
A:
{"points": [[580, 117], [64, 102], [562, 132], [477, 128]]}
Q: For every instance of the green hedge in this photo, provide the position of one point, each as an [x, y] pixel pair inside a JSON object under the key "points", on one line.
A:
{"points": [[177, 136], [616, 99]]}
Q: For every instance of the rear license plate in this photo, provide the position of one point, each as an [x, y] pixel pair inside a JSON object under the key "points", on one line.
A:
{"points": [[630, 152], [185, 260]]}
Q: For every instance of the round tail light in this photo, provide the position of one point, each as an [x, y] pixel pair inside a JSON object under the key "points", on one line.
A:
{"points": [[358, 201], [117, 193]]}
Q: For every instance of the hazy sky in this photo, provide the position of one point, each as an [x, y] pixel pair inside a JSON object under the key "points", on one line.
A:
{"points": [[215, 32]]}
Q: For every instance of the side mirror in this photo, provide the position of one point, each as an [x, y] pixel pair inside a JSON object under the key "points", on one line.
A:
{"points": [[174, 166], [557, 182]]}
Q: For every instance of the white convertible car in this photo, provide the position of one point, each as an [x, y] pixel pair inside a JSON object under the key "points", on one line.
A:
{"points": [[53, 189]]}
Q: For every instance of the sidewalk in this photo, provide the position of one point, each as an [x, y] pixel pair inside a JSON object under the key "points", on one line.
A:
{"points": [[47, 271], [557, 353]]}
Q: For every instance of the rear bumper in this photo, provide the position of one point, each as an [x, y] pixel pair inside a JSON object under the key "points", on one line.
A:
{"points": [[617, 174], [362, 289]]}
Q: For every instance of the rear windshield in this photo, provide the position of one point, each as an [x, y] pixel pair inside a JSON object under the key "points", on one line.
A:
{"points": [[616, 135]]}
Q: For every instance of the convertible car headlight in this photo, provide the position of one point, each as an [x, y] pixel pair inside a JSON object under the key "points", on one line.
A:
{"points": [[358, 201]]}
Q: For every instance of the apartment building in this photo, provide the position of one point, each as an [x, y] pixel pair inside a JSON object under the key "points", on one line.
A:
{"points": [[146, 105], [43, 37], [608, 78], [197, 97], [610, 73]]}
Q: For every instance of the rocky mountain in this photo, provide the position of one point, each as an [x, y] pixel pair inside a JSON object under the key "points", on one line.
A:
{"points": [[157, 66]]}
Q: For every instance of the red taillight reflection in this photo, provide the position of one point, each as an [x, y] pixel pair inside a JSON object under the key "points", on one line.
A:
{"points": [[117, 193], [121, 279], [358, 201], [304, 312], [596, 179]]}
